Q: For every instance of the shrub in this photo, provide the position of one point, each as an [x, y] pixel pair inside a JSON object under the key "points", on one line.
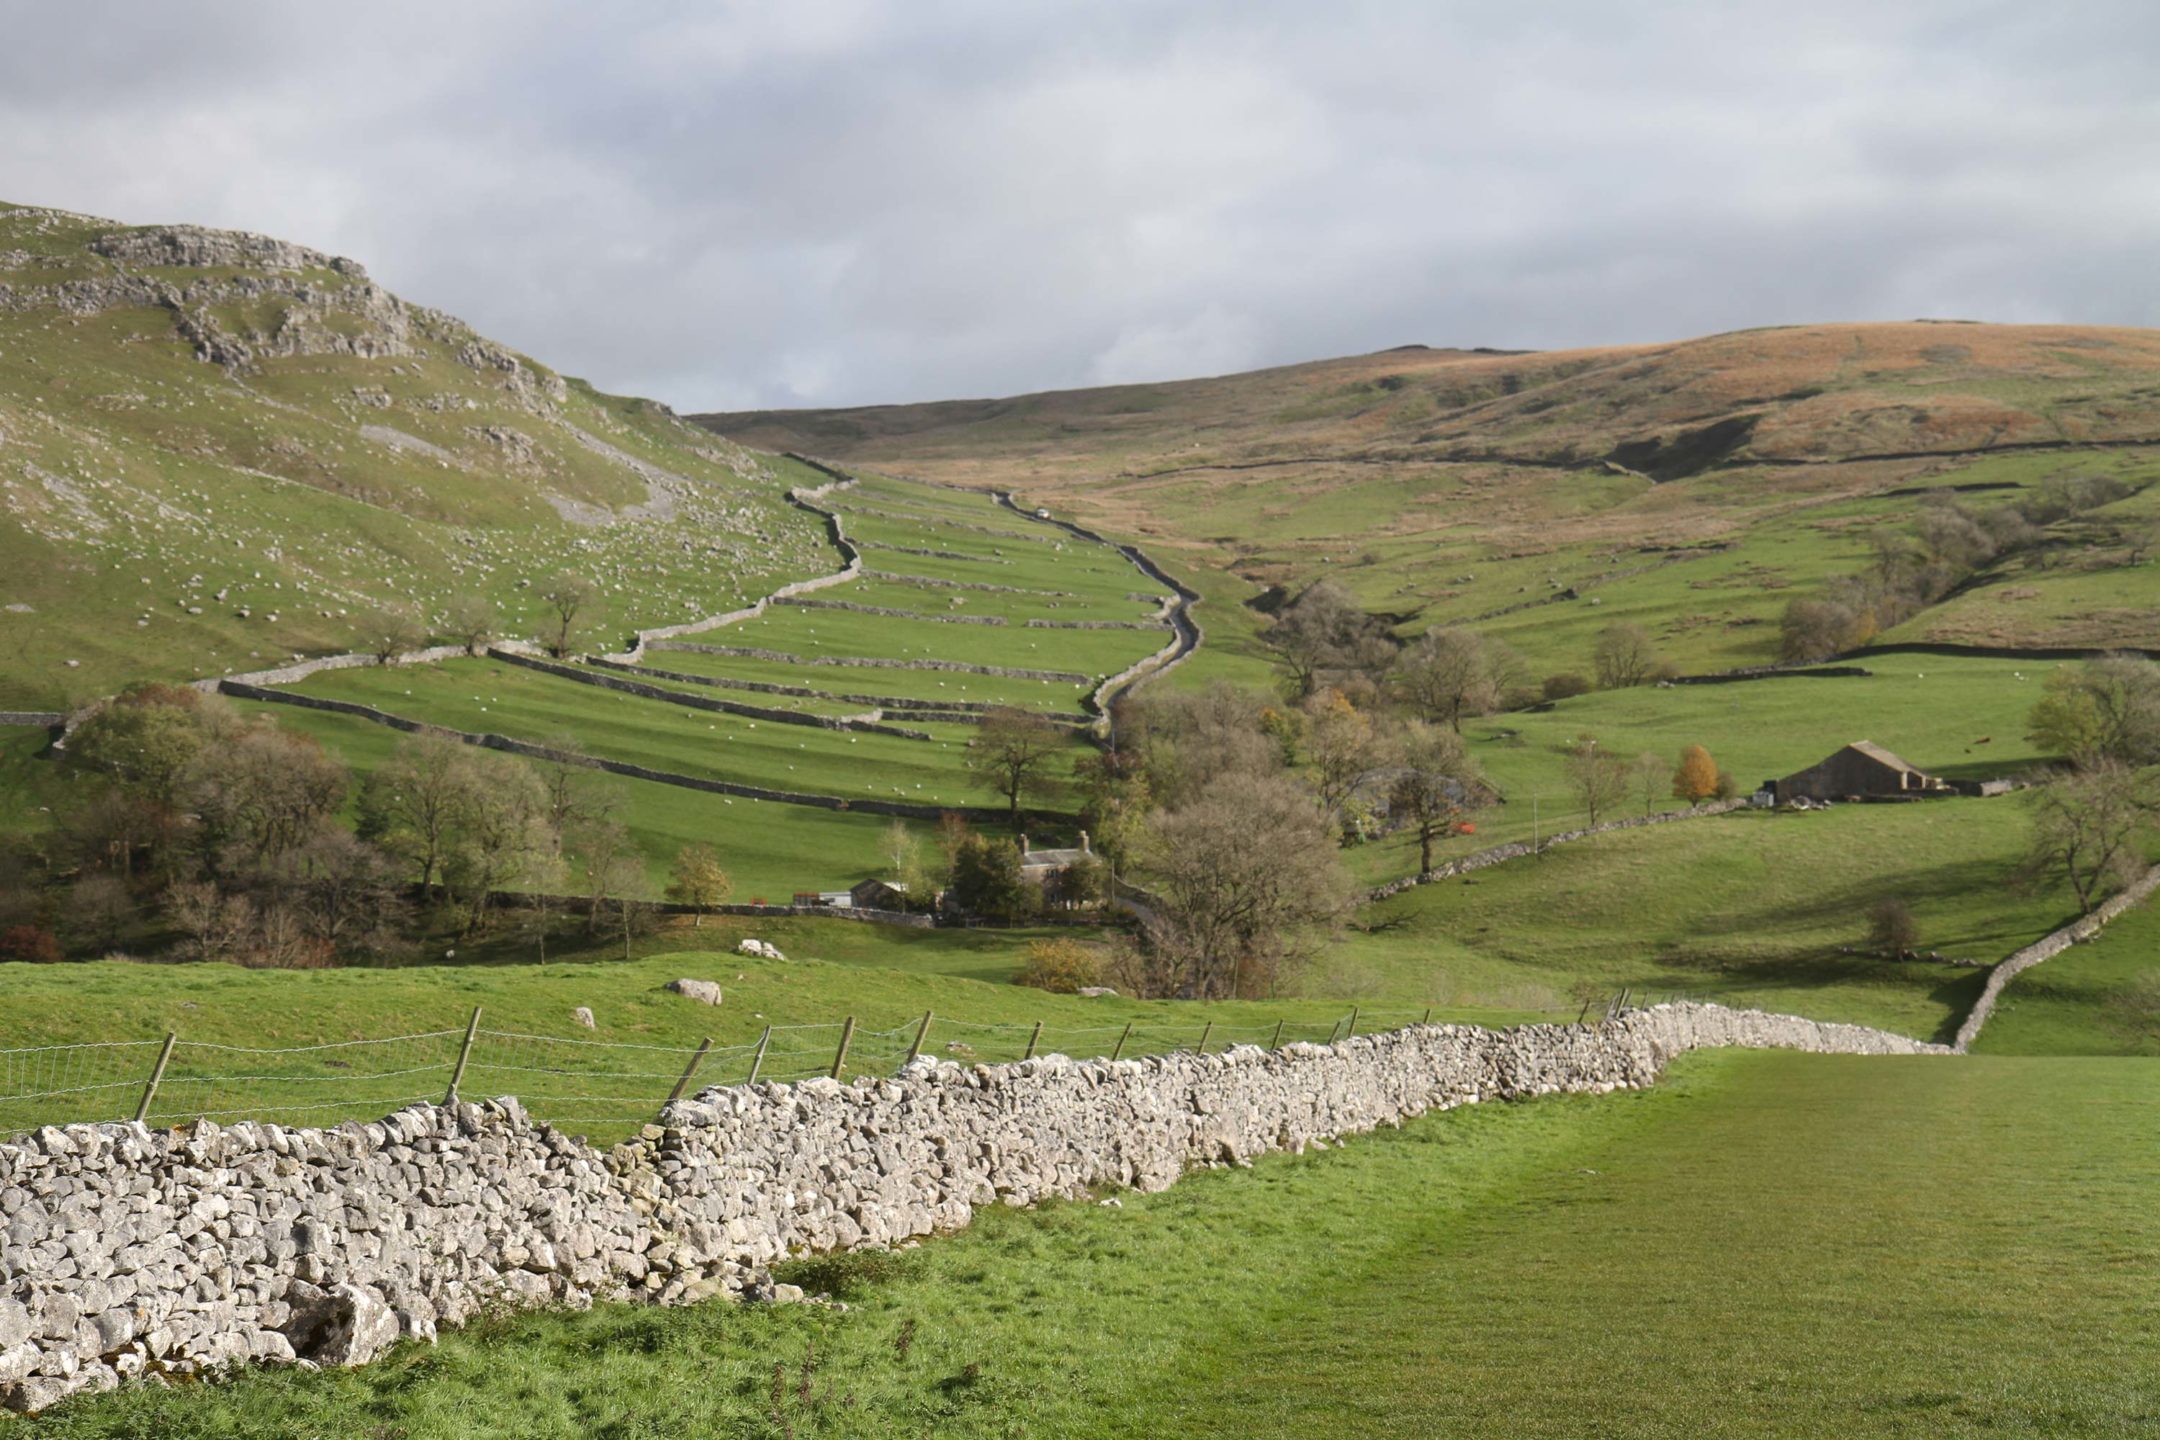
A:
{"points": [[1892, 931], [32, 943], [1566, 685], [1060, 966], [1696, 778]]}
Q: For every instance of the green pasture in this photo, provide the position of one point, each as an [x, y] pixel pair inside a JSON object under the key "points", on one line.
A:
{"points": [[801, 631], [903, 685], [769, 850], [1764, 1245], [1752, 909], [488, 695], [2098, 998]]}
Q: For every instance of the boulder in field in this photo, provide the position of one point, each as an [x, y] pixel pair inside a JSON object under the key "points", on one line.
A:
{"points": [[705, 992]]}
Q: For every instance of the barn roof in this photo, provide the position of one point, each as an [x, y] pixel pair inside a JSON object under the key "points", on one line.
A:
{"points": [[1883, 757]]}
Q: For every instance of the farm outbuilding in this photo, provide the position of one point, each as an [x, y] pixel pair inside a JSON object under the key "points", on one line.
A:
{"points": [[1862, 770]]}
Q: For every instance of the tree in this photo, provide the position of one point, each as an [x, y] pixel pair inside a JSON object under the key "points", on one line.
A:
{"points": [[1816, 629], [499, 831], [2088, 827], [987, 880], [907, 867], [346, 893], [1892, 931], [1323, 630], [1341, 744], [1060, 966], [410, 806], [1446, 675], [145, 738], [471, 622], [1652, 778], [1599, 778], [1439, 784], [1624, 656], [1695, 778], [1183, 740], [260, 794], [386, 634], [698, 881], [2106, 709], [567, 596], [99, 910], [1248, 881], [1012, 752]]}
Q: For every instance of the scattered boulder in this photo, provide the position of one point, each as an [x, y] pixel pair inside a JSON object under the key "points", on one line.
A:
{"points": [[761, 949], [583, 1016], [705, 992], [1095, 992]]}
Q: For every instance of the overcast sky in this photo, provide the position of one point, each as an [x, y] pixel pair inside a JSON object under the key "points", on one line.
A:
{"points": [[818, 202]]}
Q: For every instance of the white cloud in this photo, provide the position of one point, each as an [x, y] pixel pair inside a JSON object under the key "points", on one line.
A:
{"points": [[840, 201]]}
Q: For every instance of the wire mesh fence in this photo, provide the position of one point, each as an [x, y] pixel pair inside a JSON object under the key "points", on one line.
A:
{"points": [[603, 1089]]}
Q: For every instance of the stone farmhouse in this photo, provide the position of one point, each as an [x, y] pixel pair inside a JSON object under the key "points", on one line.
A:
{"points": [[1862, 770]]}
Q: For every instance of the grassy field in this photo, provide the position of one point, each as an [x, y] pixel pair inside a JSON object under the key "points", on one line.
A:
{"points": [[1747, 909], [2099, 998], [885, 977], [1767, 1244]]}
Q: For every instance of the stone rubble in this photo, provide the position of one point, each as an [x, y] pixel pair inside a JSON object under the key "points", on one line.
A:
{"points": [[128, 1253]]}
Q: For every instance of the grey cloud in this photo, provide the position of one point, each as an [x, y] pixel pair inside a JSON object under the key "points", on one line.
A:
{"points": [[839, 201]]}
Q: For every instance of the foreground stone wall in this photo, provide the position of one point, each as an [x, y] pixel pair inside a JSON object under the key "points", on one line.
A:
{"points": [[127, 1252]]}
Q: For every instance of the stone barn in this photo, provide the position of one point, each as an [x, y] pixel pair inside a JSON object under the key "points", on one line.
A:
{"points": [[1862, 770]]}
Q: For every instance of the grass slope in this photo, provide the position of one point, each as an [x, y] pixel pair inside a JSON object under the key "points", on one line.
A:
{"points": [[1692, 487], [163, 517], [1765, 1245]]}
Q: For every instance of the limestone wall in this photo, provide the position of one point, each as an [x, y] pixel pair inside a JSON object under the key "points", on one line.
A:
{"points": [[2048, 947], [126, 1251]]}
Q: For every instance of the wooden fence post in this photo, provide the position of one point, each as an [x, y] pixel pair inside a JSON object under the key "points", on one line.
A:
{"points": [[1428, 1016], [1033, 1036], [688, 1071], [157, 1074], [1120, 1050], [1276, 1044], [757, 1061], [921, 1031], [1331, 1031], [847, 1033], [457, 1075], [1205, 1031], [1353, 1023]]}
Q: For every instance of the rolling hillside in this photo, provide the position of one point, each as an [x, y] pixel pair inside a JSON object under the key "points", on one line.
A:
{"points": [[219, 450], [1695, 487]]}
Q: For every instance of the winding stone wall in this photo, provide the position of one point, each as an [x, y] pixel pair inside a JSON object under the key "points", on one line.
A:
{"points": [[2048, 947], [1518, 849], [873, 662], [865, 724], [132, 1252]]}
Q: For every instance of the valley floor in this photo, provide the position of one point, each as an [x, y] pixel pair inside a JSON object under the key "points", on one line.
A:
{"points": [[1767, 1244]]}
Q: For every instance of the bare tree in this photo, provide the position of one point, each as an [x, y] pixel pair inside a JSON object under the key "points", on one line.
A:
{"points": [[1249, 881], [411, 805], [567, 596], [1446, 675], [1599, 778], [1012, 754], [501, 829], [389, 633], [1624, 656], [262, 793], [472, 622], [1651, 778], [1323, 630], [2088, 828], [1438, 787]]}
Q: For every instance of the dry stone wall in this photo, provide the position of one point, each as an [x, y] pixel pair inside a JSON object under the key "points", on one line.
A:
{"points": [[1518, 849], [2048, 947], [137, 1253]]}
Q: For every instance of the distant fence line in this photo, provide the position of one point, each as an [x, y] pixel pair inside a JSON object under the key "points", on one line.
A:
{"points": [[567, 1080]]}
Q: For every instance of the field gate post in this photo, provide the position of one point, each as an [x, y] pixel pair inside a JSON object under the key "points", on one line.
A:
{"points": [[757, 1061], [847, 1033], [1120, 1050], [688, 1071], [1205, 1031], [157, 1074], [457, 1074], [921, 1031], [1033, 1036]]}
